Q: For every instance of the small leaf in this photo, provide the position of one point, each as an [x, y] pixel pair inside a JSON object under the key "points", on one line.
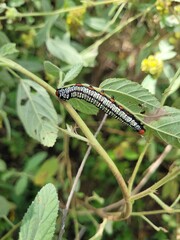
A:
{"points": [[21, 185], [165, 46], [97, 23], [89, 55], [33, 162], [72, 73], [5, 206], [8, 49], [150, 84], [40, 219], [64, 51], [3, 166], [46, 171], [166, 55], [44, 32], [37, 113], [16, 3], [51, 69]]}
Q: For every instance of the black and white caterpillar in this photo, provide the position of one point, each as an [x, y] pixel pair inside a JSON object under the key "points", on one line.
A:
{"points": [[101, 101]]}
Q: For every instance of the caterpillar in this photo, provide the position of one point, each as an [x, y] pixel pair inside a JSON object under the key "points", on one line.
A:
{"points": [[101, 101]]}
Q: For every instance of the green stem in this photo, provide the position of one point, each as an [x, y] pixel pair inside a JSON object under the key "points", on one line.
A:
{"points": [[64, 10], [153, 225], [131, 181], [155, 212], [171, 175], [92, 140], [160, 202], [7, 235]]}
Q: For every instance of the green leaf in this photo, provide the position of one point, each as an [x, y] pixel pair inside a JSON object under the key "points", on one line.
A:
{"points": [[89, 56], [44, 32], [21, 185], [37, 112], [16, 3], [33, 162], [130, 95], [32, 64], [8, 49], [73, 73], [3, 166], [3, 37], [149, 83], [46, 171], [40, 219], [5, 206], [51, 69], [63, 51], [97, 23], [166, 55], [165, 122], [83, 106]]}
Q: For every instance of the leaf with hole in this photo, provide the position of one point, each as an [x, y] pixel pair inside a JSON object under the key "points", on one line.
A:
{"points": [[37, 112]]}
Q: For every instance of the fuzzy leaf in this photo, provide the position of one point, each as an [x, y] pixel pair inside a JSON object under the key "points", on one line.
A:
{"points": [[8, 49], [64, 51], [73, 73], [40, 219], [37, 113]]}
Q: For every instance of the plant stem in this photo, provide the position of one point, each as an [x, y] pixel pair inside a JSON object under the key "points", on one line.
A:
{"points": [[131, 181], [170, 176], [155, 212], [92, 140], [160, 202], [64, 10]]}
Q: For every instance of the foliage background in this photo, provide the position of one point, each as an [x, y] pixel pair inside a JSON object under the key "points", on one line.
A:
{"points": [[110, 40]]}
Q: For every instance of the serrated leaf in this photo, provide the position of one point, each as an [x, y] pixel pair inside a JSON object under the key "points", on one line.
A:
{"points": [[165, 122], [83, 106], [64, 51], [72, 73], [8, 49], [37, 112], [40, 219], [130, 95], [51, 69]]}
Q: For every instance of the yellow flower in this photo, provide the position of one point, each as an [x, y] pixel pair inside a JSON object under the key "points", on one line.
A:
{"points": [[177, 8], [74, 20], [11, 13], [162, 6], [28, 39], [152, 65]]}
